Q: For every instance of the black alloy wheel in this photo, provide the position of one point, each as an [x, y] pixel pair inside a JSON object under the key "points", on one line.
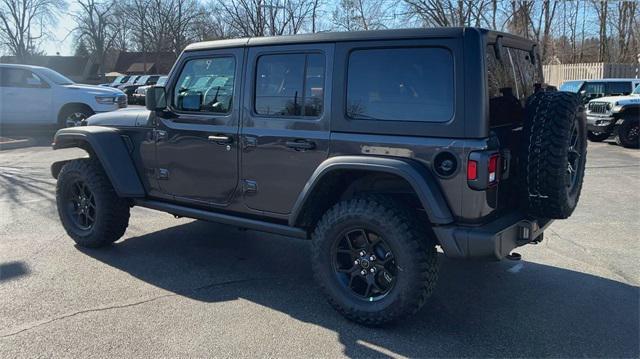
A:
{"points": [[81, 205], [364, 264]]}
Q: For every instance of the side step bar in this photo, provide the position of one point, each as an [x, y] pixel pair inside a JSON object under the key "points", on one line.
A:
{"points": [[223, 218]]}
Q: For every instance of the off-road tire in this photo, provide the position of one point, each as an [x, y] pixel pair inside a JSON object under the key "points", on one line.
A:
{"points": [[547, 150], [625, 137], [111, 212], [598, 137], [408, 239]]}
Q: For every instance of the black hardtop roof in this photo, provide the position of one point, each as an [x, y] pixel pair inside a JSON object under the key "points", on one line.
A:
{"points": [[436, 32]]}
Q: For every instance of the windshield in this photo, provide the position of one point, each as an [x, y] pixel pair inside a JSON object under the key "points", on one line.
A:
{"points": [[55, 77], [142, 79], [117, 80], [571, 86], [162, 81], [637, 90]]}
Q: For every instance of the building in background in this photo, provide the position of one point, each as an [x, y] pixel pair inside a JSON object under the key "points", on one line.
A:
{"points": [[83, 69], [139, 63], [78, 68]]}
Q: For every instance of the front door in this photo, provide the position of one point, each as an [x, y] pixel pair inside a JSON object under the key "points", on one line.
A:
{"points": [[285, 126], [197, 137], [25, 98]]}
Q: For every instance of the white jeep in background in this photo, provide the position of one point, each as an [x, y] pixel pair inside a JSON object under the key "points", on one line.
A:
{"points": [[615, 115], [38, 96]]}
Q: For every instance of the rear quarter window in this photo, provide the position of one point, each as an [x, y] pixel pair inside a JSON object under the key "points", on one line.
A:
{"points": [[619, 88], [400, 84]]}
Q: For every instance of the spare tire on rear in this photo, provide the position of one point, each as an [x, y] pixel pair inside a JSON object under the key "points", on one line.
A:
{"points": [[554, 153]]}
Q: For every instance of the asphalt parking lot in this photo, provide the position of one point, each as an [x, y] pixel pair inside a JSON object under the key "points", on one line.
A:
{"points": [[178, 287]]}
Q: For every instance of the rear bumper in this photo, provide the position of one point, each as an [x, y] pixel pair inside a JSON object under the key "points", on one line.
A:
{"points": [[494, 240]]}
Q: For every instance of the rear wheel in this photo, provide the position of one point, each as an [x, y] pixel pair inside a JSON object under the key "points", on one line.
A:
{"points": [[598, 136], [90, 210], [373, 260], [628, 133]]}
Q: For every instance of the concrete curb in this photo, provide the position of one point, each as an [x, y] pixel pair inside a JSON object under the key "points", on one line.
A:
{"points": [[13, 144]]}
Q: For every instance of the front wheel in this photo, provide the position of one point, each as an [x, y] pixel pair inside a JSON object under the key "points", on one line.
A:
{"points": [[628, 133], [90, 210], [74, 116], [373, 260]]}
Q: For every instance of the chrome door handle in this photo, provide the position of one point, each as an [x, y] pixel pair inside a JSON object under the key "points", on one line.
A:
{"points": [[221, 139]]}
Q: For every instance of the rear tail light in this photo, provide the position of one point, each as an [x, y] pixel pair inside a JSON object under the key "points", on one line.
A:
{"points": [[493, 168], [472, 170], [483, 169]]}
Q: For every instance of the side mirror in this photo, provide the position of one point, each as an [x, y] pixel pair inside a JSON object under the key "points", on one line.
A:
{"points": [[190, 102], [156, 98]]}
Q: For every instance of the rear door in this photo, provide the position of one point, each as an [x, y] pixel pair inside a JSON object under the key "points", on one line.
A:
{"points": [[197, 138], [285, 128]]}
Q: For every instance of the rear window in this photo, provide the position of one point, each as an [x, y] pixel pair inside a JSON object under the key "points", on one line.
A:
{"points": [[290, 85], [401, 84]]}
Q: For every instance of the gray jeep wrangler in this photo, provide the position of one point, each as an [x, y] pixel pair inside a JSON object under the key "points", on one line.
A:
{"points": [[378, 146], [619, 115]]}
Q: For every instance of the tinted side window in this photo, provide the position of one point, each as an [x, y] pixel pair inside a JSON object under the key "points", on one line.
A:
{"points": [[619, 88], [528, 75], [290, 85], [206, 85], [595, 88], [504, 88], [401, 84], [20, 78]]}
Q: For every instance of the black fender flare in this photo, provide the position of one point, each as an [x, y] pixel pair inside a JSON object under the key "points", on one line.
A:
{"points": [[110, 149], [418, 176]]}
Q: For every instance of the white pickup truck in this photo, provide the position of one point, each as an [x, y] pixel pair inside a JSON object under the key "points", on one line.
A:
{"points": [[35, 96]]}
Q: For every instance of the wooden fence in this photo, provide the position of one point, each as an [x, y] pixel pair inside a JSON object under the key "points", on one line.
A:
{"points": [[557, 74]]}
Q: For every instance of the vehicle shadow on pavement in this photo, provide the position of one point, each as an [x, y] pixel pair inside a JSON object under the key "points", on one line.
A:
{"points": [[479, 309], [13, 270]]}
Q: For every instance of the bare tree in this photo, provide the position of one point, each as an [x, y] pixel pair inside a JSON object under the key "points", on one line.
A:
{"points": [[267, 17], [212, 25], [316, 11], [602, 9], [454, 12], [181, 17], [23, 24], [352, 15], [624, 21], [96, 28]]}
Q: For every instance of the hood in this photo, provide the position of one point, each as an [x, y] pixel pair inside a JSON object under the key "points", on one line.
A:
{"points": [[126, 117], [95, 90], [621, 100]]}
